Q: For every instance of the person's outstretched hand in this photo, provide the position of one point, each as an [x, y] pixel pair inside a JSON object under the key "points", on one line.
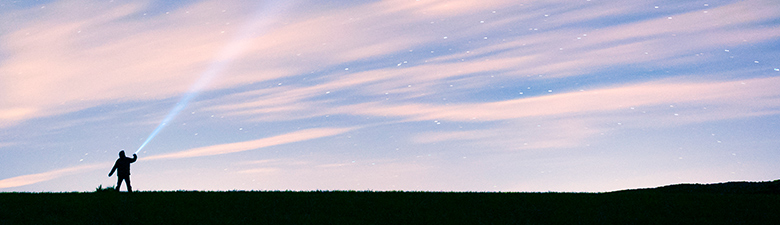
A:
{"points": [[109, 175], [134, 154]]}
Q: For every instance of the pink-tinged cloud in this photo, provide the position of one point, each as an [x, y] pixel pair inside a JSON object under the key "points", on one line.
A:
{"points": [[5, 144], [302, 135], [734, 99], [541, 133], [45, 176], [66, 57], [571, 119], [12, 115]]}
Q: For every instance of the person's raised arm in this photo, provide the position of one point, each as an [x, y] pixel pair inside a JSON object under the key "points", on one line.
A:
{"points": [[113, 169], [135, 157]]}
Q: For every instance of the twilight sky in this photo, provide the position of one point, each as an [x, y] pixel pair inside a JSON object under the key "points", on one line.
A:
{"points": [[435, 95]]}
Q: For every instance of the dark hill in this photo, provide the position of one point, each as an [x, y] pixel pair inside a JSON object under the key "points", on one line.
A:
{"points": [[727, 203], [740, 187]]}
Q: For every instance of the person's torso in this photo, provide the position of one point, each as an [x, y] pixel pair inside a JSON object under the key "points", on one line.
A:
{"points": [[123, 166]]}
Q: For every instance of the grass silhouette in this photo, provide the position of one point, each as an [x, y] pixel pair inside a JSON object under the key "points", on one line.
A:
{"points": [[106, 189], [758, 203]]}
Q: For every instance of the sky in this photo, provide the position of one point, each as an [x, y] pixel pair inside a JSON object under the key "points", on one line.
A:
{"points": [[414, 95]]}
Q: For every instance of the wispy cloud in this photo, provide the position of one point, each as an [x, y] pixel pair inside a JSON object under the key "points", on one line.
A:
{"points": [[45, 176], [6, 144], [538, 133], [569, 119], [297, 136], [733, 99]]}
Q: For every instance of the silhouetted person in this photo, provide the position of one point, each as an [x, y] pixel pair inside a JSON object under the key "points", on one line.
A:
{"points": [[122, 166]]}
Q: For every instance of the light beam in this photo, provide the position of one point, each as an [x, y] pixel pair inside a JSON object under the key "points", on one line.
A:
{"points": [[260, 21]]}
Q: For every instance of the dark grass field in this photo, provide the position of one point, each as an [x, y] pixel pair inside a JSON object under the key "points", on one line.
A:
{"points": [[729, 203]]}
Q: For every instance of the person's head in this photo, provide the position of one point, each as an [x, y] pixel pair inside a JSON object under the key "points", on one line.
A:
{"points": [[122, 154]]}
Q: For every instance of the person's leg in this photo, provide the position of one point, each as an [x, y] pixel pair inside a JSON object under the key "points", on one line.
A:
{"points": [[127, 181], [118, 182]]}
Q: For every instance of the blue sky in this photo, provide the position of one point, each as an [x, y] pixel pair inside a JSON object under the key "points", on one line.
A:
{"points": [[585, 95]]}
